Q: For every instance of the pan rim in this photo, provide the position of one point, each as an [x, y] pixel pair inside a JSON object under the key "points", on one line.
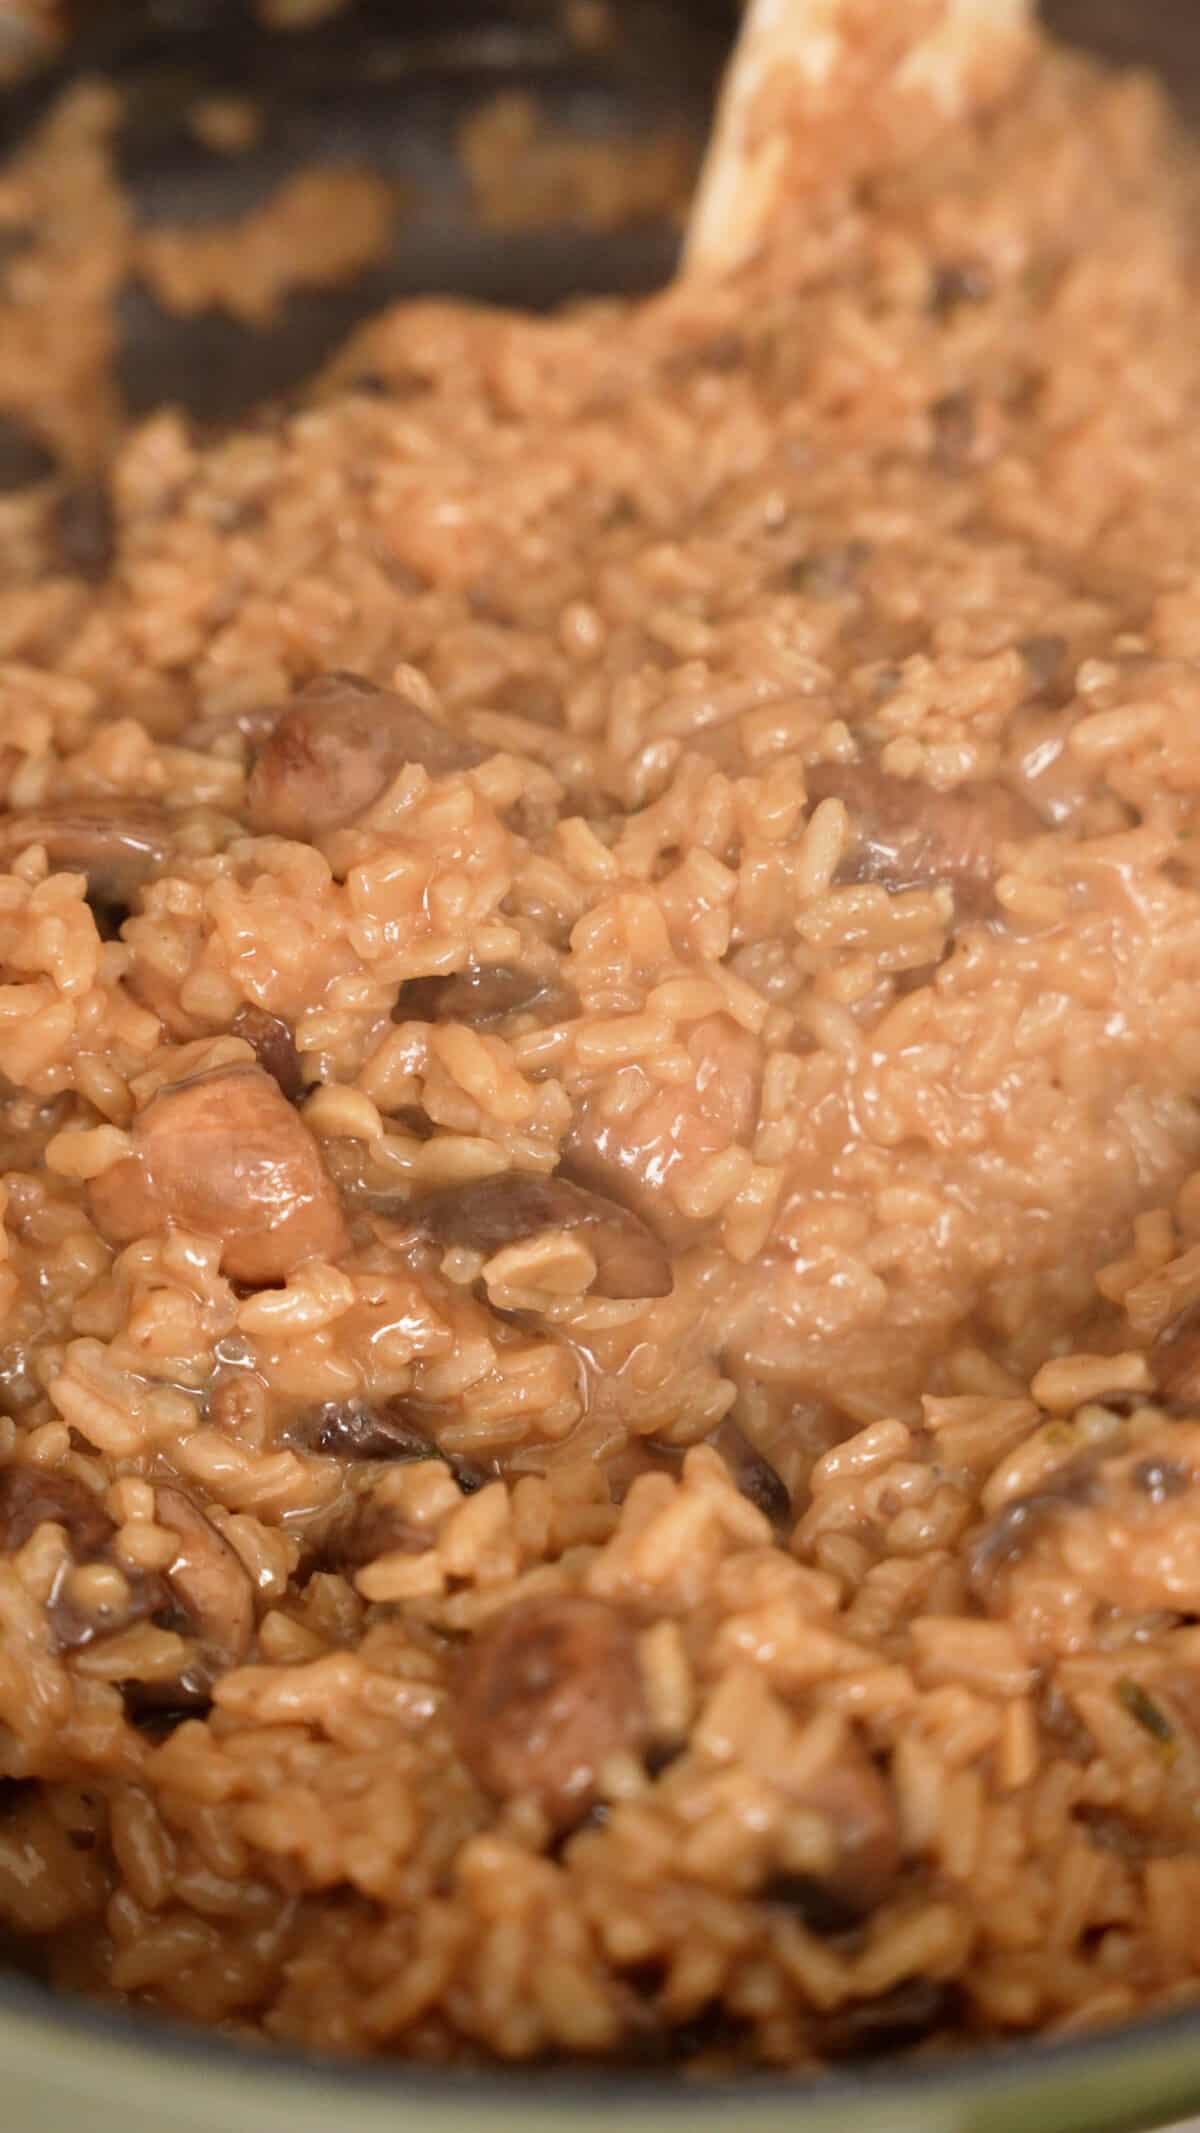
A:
{"points": [[588, 2091]]}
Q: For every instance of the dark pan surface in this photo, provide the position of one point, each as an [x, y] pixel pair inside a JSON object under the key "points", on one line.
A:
{"points": [[385, 88], [385, 85], [1163, 34]]}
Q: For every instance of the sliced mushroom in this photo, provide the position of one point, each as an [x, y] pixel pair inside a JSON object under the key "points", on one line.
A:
{"points": [[1059, 1719], [909, 836], [644, 1154], [547, 1692], [14, 1792], [897, 2021], [485, 994], [31, 1497], [960, 281], [828, 573], [225, 1155], [757, 1479], [755, 1476], [819, 1907], [712, 2041], [139, 1597], [1175, 1362], [118, 844], [335, 749], [158, 1712], [1119, 1528], [353, 1429], [85, 529], [1008, 1535], [494, 1212], [25, 458], [386, 1432], [365, 1530], [490, 993], [853, 1797], [1046, 657], [209, 1583], [274, 1047]]}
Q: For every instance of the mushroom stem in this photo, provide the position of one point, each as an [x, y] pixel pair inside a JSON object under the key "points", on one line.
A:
{"points": [[821, 93]]}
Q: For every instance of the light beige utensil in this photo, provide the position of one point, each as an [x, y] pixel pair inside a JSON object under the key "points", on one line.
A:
{"points": [[820, 92]]}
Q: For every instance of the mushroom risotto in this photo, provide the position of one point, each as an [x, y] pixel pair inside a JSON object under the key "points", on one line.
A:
{"points": [[600, 1034]]}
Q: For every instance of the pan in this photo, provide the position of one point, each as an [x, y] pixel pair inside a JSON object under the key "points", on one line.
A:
{"points": [[392, 85]]}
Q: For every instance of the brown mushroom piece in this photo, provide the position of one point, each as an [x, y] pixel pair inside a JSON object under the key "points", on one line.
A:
{"points": [[208, 1581], [85, 530], [898, 2021], [1120, 1529], [1008, 1535], [1046, 658], [362, 1531], [1111, 1831], [909, 836], [494, 1212], [546, 1693], [819, 1907], [25, 457], [385, 1432], [960, 281], [335, 748], [358, 1429], [117, 844], [274, 1048], [856, 1801], [31, 1497], [485, 994], [1175, 1362], [662, 1141], [225, 1155], [757, 1479]]}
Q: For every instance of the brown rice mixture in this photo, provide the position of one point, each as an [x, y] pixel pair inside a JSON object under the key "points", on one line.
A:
{"points": [[600, 1343]]}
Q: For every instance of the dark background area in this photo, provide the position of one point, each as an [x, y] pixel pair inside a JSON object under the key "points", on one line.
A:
{"points": [[386, 85], [1164, 34]]}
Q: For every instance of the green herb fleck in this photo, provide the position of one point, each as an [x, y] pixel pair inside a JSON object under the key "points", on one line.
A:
{"points": [[1133, 1698]]}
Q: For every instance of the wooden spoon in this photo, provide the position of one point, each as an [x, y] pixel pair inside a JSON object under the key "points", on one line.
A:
{"points": [[820, 94]]}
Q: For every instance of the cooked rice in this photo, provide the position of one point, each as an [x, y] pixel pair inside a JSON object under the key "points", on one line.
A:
{"points": [[878, 1526]]}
